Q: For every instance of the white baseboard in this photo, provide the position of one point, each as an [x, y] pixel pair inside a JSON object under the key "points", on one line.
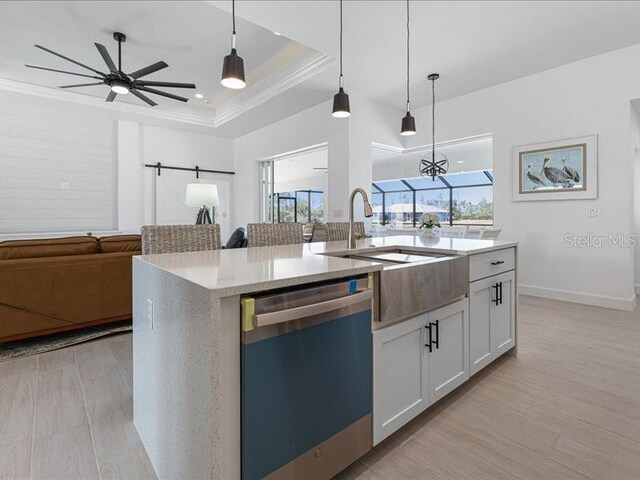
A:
{"points": [[627, 304]]}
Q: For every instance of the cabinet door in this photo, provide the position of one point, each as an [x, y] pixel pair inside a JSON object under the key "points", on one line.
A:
{"points": [[503, 321], [449, 361], [400, 375], [482, 296]]}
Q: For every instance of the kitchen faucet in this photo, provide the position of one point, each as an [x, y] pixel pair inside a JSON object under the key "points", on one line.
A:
{"points": [[368, 212]]}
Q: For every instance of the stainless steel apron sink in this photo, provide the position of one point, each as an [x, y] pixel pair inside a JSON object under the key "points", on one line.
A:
{"points": [[413, 282]]}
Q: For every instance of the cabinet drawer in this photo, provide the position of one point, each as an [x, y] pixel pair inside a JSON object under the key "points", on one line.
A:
{"points": [[491, 263]]}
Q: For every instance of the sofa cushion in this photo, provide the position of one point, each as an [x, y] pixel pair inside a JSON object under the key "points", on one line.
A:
{"points": [[120, 243], [48, 247]]}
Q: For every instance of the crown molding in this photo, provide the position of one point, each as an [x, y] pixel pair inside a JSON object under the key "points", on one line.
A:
{"points": [[55, 94], [267, 89], [299, 151], [387, 148], [448, 143], [250, 98]]}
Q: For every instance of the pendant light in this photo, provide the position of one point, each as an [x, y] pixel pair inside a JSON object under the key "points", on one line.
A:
{"points": [[341, 107], [408, 122], [433, 168], [233, 66]]}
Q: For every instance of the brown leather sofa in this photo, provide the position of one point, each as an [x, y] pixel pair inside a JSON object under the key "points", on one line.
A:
{"points": [[52, 285]]}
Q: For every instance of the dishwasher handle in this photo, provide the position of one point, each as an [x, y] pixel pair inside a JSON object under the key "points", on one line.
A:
{"points": [[296, 313]]}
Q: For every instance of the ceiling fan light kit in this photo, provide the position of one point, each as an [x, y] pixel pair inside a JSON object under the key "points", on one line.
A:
{"points": [[119, 82], [233, 65], [119, 86], [341, 107]]}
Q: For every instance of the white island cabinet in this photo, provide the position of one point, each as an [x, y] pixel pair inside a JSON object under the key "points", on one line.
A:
{"points": [[415, 363], [418, 361], [187, 340], [400, 375], [492, 305]]}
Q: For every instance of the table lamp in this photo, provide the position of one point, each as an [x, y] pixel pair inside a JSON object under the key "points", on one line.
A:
{"points": [[203, 195]]}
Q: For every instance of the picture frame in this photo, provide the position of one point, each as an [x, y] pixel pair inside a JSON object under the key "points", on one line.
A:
{"points": [[564, 169]]}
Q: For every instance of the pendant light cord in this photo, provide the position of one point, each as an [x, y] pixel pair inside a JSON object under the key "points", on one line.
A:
{"points": [[433, 119], [341, 82], [407, 56], [233, 20]]}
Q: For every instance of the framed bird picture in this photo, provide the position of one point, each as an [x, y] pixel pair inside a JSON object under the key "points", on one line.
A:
{"points": [[560, 170]]}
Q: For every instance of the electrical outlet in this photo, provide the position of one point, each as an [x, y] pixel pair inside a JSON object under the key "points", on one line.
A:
{"points": [[338, 213], [66, 185], [593, 211], [150, 313]]}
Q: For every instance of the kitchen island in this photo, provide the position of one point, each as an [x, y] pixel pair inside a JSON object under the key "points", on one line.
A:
{"points": [[187, 337]]}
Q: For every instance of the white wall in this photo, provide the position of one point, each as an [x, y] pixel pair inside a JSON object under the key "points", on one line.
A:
{"points": [[315, 182], [635, 151], [586, 97], [141, 144], [57, 167], [474, 155], [137, 139], [349, 146]]}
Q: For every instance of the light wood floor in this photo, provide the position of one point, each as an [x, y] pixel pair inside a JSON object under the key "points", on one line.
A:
{"points": [[568, 407]]}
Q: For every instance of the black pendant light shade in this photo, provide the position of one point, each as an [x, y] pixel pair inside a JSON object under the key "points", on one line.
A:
{"points": [[408, 125], [233, 71], [233, 66], [341, 107], [408, 122]]}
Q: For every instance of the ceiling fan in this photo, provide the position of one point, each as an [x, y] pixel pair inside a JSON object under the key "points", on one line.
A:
{"points": [[117, 80]]}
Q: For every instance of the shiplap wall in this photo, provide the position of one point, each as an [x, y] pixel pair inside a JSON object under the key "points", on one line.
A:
{"points": [[57, 168]]}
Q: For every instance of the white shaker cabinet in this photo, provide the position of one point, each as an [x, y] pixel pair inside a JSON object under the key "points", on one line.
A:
{"points": [[400, 375], [415, 363], [492, 318], [449, 356]]}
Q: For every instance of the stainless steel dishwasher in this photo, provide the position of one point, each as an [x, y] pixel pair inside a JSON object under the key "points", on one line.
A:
{"points": [[306, 359]]}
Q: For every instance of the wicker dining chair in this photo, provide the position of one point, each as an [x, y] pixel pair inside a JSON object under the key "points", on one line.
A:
{"points": [[270, 234], [180, 238], [340, 230], [319, 233]]}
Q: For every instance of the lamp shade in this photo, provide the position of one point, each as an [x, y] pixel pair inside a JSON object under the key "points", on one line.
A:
{"points": [[341, 108], [408, 125], [233, 71], [199, 194]]}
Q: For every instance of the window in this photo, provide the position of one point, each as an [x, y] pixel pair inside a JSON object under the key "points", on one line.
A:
{"points": [[456, 199], [302, 206]]}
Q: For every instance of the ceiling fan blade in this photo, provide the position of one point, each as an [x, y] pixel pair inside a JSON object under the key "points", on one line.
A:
{"points": [[165, 84], [163, 94], [150, 69], [69, 60], [63, 71], [111, 96], [81, 85], [106, 57], [142, 97]]}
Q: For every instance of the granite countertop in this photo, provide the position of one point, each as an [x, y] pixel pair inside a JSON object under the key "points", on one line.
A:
{"points": [[245, 270]]}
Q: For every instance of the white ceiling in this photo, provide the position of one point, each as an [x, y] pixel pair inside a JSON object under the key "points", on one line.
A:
{"points": [[472, 44], [192, 37]]}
